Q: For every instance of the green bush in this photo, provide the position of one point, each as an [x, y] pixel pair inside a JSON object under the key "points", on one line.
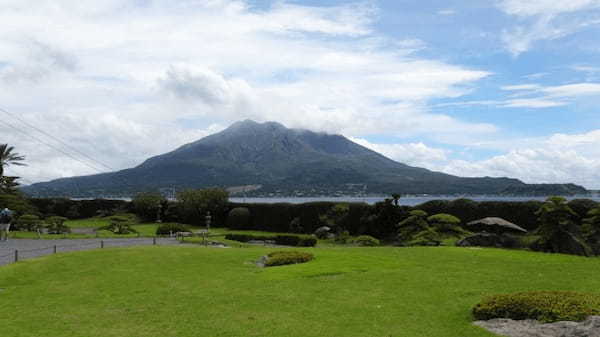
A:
{"points": [[238, 218], [545, 306], [287, 257], [366, 240], [168, 228], [284, 240], [28, 222], [343, 237], [56, 225], [119, 225], [445, 223], [148, 204]]}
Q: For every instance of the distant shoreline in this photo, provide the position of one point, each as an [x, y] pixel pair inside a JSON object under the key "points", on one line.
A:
{"points": [[405, 200]]}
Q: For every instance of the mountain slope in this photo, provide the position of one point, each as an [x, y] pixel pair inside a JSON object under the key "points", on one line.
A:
{"points": [[283, 161]]}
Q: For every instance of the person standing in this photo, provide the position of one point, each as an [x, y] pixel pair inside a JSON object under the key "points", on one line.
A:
{"points": [[5, 221]]}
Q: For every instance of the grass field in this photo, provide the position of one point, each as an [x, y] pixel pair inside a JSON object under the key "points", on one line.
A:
{"points": [[193, 291]]}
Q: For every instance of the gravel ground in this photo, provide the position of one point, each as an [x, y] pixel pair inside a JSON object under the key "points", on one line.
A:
{"points": [[29, 248], [530, 328]]}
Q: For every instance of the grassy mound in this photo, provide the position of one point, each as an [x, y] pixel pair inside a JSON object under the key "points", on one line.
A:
{"points": [[545, 306], [287, 257]]}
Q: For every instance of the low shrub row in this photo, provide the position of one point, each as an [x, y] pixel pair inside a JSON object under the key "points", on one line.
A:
{"points": [[290, 257], [544, 306], [284, 240], [171, 228]]}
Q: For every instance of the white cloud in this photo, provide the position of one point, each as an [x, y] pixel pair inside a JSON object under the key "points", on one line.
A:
{"points": [[536, 96], [534, 103], [545, 7], [519, 87], [446, 12], [546, 20], [125, 80], [560, 158], [573, 90], [414, 154]]}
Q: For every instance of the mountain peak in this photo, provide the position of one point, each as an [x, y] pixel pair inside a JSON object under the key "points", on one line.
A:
{"points": [[249, 123], [282, 161]]}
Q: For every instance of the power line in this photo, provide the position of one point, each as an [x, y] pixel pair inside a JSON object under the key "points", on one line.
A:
{"points": [[51, 146], [58, 140]]}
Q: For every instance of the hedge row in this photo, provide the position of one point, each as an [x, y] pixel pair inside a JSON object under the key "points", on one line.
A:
{"points": [[284, 240], [287, 257], [376, 220], [545, 306]]}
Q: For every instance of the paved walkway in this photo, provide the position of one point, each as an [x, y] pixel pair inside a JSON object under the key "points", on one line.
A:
{"points": [[29, 248]]}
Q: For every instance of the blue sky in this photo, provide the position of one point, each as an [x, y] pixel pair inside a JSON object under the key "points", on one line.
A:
{"points": [[469, 87]]}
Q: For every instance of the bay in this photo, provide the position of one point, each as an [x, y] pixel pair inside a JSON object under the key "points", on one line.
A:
{"points": [[406, 200]]}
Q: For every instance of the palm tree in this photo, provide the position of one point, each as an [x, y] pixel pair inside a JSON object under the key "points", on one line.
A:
{"points": [[8, 157]]}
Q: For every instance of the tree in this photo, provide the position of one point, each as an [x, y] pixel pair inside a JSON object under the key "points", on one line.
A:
{"points": [[8, 185], [28, 222], [558, 228], [591, 229], [56, 225], [147, 204], [335, 217], [446, 223], [415, 223], [194, 204], [119, 225], [555, 217], [8, 157]]}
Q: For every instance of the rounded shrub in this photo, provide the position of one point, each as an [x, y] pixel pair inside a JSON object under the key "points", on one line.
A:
{"points": [[168, 228], [238, 218], [281, 258], [366, 240], [56, 225], [544, 306], [28, 222]]}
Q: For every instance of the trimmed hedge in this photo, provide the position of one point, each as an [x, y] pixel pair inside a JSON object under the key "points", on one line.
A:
{"points": [[366, 241], [290, 257], [284, 240], [168, 228], [544, 306]]}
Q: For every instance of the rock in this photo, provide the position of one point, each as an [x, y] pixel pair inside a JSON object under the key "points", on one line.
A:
{"points": [[487, 240], [262, 261], [322, 232], [531, 328]]}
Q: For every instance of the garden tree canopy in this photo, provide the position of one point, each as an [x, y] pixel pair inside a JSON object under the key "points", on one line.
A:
{"points": [[558, 228], [415, 223], [555, 217], [8, 185], [195, 203], [146, 205], [119, 225], [334, 218], [8, 157], [56, 225], [28, 222], [591, 229]]}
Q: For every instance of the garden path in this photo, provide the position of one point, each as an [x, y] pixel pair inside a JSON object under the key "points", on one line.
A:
{"points": [[30, 248]]}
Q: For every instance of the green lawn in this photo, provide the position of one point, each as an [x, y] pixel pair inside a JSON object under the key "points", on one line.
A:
{"points": [[348, 292]]}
